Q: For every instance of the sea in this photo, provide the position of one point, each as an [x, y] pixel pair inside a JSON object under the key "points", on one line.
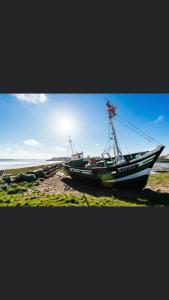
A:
{"points": [[6, 164]]}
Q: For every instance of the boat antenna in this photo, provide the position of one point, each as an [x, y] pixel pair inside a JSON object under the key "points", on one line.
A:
{"points": [[70, 142], [111, 114]]}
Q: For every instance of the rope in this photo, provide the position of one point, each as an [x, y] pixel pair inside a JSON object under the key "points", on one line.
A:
{"points": [[139, 130]]}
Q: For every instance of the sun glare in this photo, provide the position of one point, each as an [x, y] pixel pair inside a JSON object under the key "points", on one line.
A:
{"points": [[65, 125], [62, 123]]}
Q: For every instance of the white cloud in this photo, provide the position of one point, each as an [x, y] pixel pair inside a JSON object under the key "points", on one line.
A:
{"points": [[32, 98], [160, 119], [97, 145], [31, 142]]}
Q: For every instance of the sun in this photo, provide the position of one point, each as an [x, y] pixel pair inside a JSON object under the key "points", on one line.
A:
{"points": [[61, 123], [65, 125]]}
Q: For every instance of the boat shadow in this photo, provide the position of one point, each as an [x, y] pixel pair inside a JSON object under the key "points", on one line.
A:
{"points": [[146, 197]]}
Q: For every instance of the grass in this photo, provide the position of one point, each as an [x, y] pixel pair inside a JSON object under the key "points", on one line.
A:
{"points": [[24, 195], [37, 199]]}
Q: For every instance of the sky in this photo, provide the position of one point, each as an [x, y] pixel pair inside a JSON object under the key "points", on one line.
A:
{"points": [[36, 126]]}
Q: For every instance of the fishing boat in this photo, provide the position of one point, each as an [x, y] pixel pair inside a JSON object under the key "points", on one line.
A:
{"points": [[121, 171]]}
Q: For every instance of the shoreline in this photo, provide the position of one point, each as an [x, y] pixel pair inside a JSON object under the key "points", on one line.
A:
{"points": [[155, 170], [22, 166]]}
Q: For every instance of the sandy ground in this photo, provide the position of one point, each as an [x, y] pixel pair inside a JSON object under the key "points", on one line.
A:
{"points": [[60, 183], [162, 189], [56, 184]]}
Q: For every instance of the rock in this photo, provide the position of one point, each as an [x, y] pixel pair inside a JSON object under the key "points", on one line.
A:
{"points": [[41, 179], [49, 174], [29, 177], [46, 169], [60, 174], [39, 173], [25, 177], [7, 179], [51, 168], [1, 172]]}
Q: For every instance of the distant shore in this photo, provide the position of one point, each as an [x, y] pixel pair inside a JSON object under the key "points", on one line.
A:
{"points": [[6, 164]]}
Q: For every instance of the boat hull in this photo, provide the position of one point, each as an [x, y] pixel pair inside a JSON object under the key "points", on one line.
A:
{"points": [[130, 175], [136, 182]]}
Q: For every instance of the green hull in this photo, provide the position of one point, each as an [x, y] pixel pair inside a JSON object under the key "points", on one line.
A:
{"points": [[133, 174]]}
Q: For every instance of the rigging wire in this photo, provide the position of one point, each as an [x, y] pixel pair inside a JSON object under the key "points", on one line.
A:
{"points": [[120, 135], [136, 132], [131, 127], [117, 139], [144, 133]]}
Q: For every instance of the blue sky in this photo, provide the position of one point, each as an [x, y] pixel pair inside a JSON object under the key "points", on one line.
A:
{"points": [[36, 125]]}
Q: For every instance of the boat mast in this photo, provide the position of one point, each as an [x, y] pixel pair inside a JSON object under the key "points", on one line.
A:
{"points": [[70, 142], [112, 113]]}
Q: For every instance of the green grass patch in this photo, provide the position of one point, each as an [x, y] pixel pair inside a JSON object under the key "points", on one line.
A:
{"points": [[38, 199], [13, 197], [18, 195]]}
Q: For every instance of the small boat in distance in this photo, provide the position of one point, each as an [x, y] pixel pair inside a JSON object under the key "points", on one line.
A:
{"points": [[120, 171]]}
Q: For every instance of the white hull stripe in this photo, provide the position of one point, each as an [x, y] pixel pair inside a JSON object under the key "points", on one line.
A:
{"points": [[154, 151], [89, 172], [147, 160], [135, 175]]}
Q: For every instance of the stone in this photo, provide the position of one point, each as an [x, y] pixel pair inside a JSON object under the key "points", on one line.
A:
{"points": [[7, 179], [39, 173], [25, 177]]}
